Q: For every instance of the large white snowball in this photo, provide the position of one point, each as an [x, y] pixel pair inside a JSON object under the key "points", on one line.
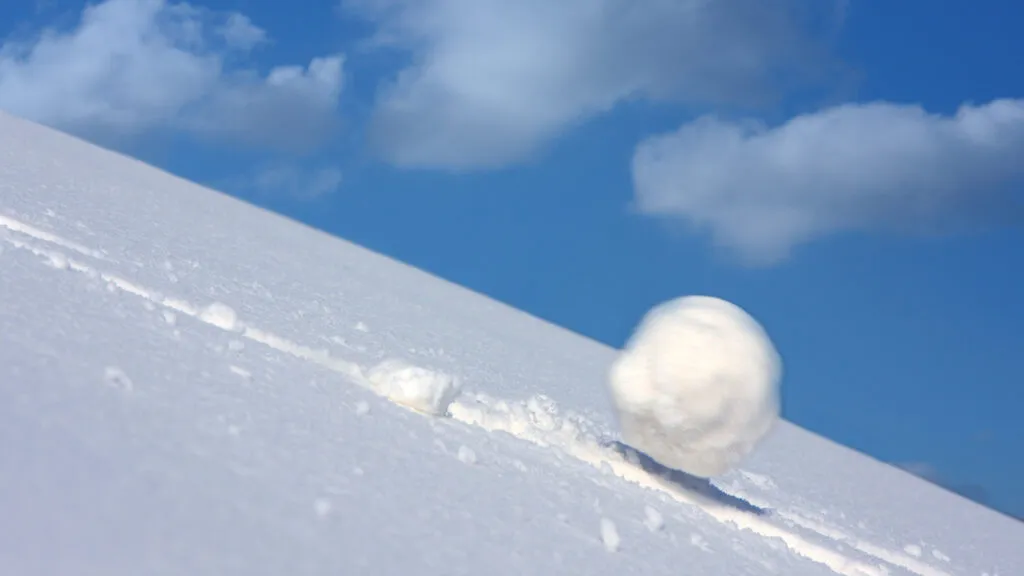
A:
{"points": [[697, 386]]}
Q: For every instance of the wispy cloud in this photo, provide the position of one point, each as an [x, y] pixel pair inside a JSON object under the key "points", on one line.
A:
{"points": [[287, 180], [762, 190], [929, 472], [131, 67]]}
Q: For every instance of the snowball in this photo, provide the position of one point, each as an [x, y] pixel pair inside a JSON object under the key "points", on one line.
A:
{"points": [[696, 387], [220, 315], [421, 389]]}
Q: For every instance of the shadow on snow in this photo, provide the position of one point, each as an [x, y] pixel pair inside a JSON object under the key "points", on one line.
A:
{"points": [[702, 488]]}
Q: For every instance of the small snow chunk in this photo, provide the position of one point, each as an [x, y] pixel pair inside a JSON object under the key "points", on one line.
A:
{"points": [[221, 316], [913, 549], [362, 408], [696, 387], [116, 378], [610, 535], [148, 305], [239, 371], [234, 430], [322, 507], [360, 326], [421, 389], [58, 260], [466, 455], [699, 541], [939, 555], [543, 412], [358, 471], [653, 519], [236, 345]]}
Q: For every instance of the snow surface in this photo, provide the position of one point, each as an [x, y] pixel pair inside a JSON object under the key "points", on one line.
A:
{"points": [[697, 387], [139, 440]]}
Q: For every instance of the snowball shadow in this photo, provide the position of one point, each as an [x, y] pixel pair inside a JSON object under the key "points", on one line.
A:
{"points": [[700, 487]]}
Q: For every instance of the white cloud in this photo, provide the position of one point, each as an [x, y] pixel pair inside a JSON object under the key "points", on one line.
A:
{"points": [[292, 108], [855, 167], [491, 81], [294, 182], [132, 66], [240, 33]]}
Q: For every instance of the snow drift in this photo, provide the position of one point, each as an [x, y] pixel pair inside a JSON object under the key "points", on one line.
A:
{"points": [[696, 387]]}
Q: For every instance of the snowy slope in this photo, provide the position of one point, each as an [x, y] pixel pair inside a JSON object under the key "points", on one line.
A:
{"points": [[186, 387]]}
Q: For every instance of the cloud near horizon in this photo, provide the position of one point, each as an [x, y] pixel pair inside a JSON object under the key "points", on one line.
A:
{"points": [[929, 472], [132, 67], [761, 190], [297, 182]]}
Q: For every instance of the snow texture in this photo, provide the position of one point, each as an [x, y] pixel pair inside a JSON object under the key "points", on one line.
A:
{"points": [[696, 387], [142, 445]]}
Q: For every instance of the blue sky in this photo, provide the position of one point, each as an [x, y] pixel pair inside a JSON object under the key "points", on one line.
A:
{"points": [[851, 173]]}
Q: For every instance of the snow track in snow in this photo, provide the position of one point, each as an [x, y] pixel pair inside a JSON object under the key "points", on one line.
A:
{"points": [[536, 419]]}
